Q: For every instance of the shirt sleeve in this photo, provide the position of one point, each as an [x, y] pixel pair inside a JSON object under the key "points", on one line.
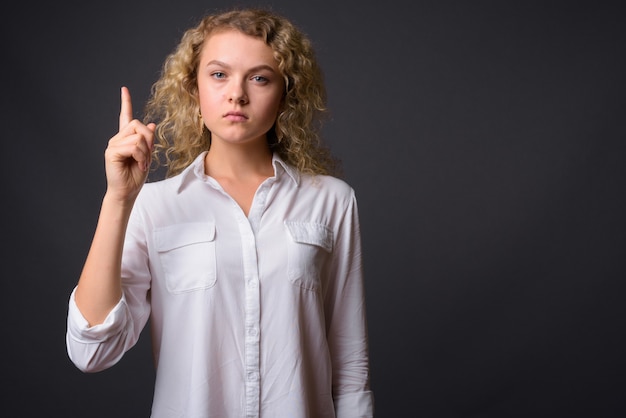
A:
{"points": [[96, 348], [346, 322]]}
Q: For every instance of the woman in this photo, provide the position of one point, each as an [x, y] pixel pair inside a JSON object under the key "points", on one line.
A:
{"points": [[246, 258]]}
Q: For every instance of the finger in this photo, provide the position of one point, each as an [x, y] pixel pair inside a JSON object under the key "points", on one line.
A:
{"points": [[133, 147], [146, 132], [141, 153], [126, 110], [152, 127]]}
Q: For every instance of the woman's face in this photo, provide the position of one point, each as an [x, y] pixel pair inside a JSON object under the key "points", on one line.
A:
{"points": [[240, 87]]}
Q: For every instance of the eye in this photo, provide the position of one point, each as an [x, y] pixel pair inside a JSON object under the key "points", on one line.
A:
{"points": [[218, 74], [260, 79]]}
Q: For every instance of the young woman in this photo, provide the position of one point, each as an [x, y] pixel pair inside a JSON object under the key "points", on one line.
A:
{"points": [[247, 257]]}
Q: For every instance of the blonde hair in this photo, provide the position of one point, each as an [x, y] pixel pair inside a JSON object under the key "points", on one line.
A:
{"points": [[174, 103]]}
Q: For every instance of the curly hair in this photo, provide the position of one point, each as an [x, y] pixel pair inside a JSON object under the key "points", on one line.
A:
{"points": [[174, 104]]}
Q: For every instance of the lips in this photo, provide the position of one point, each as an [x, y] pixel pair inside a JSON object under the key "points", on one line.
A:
{"points": [[236, 116]]}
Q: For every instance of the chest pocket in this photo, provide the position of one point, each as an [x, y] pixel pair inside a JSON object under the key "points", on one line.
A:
{"points": [[187, 256], [309, 247]]}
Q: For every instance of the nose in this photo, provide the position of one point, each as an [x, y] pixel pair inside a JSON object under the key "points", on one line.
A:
{"points": [[238, 93]]}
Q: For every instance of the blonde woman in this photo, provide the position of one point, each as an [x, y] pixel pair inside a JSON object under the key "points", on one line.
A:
{"points": [[247, 257]]}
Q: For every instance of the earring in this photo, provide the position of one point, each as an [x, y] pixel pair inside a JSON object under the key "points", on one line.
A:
{"points": [[201, 122]]}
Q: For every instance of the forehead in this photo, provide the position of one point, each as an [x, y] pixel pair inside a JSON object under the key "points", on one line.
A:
{"points": [[233, 47]]}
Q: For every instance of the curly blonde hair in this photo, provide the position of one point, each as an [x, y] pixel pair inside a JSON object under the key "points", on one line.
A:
{"points": [[174, 104]]}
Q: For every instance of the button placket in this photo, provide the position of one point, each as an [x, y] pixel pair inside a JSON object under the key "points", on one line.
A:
{"points": [[252, 313], [252, 338]]}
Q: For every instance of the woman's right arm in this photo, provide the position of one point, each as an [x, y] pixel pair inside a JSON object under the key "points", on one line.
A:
{"points": [[127, 160]]}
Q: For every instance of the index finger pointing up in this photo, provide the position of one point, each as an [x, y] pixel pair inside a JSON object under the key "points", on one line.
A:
{"points": [[126, 111]]}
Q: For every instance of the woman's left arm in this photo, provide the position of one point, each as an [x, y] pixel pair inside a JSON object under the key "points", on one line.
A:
{"points": [[346, 320]]}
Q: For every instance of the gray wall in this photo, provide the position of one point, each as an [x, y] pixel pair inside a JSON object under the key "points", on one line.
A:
{"points": [[485, 141]]}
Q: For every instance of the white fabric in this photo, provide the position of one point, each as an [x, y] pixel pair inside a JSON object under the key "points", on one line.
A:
{"points": [[258, 316]]}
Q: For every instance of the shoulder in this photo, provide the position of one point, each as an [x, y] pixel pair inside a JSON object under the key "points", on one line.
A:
{"points": [[153, 193], [328, 189], [325, 183], [161, 186], [309, 182]]}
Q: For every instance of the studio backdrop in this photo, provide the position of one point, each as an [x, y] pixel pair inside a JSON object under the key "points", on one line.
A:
{"points": [[486, 145]]}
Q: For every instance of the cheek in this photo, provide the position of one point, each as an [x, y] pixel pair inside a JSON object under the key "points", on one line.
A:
{"points": [[274, 105], [270, 113], [207, 101]]}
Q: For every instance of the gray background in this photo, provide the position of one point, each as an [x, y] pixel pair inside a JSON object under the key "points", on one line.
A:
{"points": [[485, 141]]}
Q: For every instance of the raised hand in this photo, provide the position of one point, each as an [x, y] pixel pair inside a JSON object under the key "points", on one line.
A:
{"points": [[129, 152]]}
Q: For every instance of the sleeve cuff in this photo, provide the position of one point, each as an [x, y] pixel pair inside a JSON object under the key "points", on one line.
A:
{"points": [[355, 405], [78, 327]]}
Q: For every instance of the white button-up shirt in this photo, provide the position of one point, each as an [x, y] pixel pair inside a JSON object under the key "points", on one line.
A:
{"points": [[257, 316]]}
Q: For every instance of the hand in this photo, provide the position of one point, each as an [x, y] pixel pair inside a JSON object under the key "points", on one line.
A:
{"points": [[129, 153]]}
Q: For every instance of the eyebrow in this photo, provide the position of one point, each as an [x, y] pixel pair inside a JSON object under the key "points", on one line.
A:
{"points": [[256, 68]]}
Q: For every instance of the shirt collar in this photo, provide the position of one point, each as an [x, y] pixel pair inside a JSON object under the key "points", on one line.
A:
{"points": [[279, 164], [196, 170]]}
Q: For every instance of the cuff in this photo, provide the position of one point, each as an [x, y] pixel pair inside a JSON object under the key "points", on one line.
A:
{"points": [[355, 405], [78, 327]]}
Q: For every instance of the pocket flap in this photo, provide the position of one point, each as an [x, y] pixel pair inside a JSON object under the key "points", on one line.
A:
{"points": [[311, 233], [179, 235]]}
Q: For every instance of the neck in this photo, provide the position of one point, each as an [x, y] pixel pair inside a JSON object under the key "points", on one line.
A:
{"points": [[239, 162]]}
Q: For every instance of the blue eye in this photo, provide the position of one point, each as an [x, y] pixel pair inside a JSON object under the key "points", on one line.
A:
{"points": [[218, 74], [260, 79]]}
